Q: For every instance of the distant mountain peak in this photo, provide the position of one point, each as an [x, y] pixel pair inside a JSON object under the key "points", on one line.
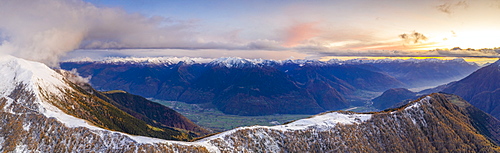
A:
{"points": [[230, 62], [145, 60], [243, 62]]}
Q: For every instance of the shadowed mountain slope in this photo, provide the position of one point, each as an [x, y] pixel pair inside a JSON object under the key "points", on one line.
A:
{"points": [[391, 97], [480, 88], [153, 113]]}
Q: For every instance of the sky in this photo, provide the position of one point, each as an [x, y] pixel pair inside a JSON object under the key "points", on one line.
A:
{"points": [[51, 30]]}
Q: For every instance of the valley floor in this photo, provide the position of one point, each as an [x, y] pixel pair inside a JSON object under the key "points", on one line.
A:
{"points": [[215, 120]]}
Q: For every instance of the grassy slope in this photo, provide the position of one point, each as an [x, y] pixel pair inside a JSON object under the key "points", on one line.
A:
{"points": [[82, 104]]}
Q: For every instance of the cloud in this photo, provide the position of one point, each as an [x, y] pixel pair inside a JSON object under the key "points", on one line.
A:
{"points": [[413, 37], [450, 6], [44, 30], [406, 53], [457, 52], [265, 44]]}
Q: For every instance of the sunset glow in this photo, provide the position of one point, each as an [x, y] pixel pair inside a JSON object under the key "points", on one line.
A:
{"points": [[475, 39], [48, 30]]}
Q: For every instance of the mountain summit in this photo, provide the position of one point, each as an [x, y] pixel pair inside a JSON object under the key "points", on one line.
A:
{"points": [[42, 110]]}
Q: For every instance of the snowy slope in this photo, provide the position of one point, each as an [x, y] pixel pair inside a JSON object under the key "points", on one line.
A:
{"points": [[33, 77], [40, 80]]}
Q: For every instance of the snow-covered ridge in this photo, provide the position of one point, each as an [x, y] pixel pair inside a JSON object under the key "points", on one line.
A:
{"points": [[16, 71], [418, 104], [325, 121], [39, 79], [242, 62]]}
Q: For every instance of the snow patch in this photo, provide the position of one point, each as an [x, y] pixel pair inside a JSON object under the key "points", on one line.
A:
{"points": [[21, 148], [418, 104], [324, 121], [144, 139], [318, 122]]}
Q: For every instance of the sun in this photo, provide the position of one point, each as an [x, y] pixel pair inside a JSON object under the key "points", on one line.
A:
{"points": [[475, 39]]}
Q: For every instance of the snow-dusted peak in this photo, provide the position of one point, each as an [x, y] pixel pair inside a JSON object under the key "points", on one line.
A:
{"points": [[302, 62], [31, 87], [230, 62], [237, 62], [146, 60], [33, 75], [157, 60], [416, 105]]}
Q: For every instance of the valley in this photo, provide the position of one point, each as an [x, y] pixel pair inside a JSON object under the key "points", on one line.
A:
{"points": [[217, 121], [257, 87]]}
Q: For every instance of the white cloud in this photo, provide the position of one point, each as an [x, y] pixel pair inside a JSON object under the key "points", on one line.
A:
{"points": [[44, 30]]}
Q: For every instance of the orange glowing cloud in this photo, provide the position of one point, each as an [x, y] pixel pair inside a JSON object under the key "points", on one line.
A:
{"points": [[299, 33]]}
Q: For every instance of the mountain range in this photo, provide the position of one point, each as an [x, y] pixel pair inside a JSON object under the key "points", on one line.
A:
{"points": [[262, 87], [430, 72], [43, 111], [46, 111], [481, 88]]}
